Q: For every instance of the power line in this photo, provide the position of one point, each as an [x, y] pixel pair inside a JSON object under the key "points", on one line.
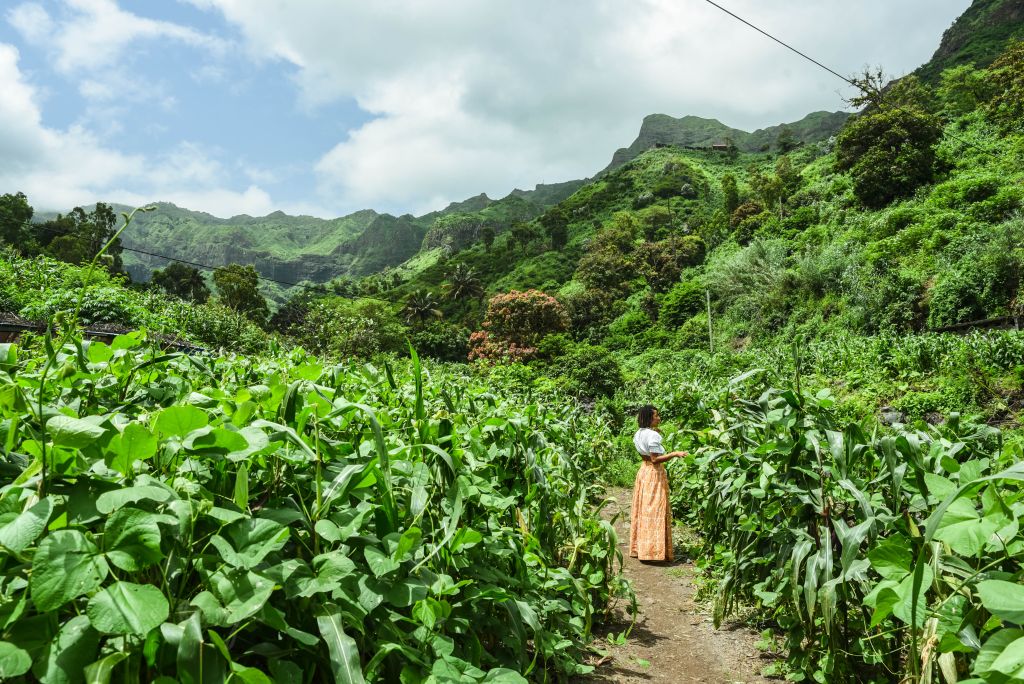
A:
{"points": [[846, 79], [785, 44]]}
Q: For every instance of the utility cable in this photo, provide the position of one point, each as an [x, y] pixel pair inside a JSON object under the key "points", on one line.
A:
{"points": [[864, 89]]}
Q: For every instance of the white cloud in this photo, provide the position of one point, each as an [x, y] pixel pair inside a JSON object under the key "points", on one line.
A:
{"points": [[32, 21], [59, 169], [94, 34], [472, 96]]}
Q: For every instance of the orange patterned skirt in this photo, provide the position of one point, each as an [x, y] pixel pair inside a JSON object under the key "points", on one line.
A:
{"points": [[650, 523]]}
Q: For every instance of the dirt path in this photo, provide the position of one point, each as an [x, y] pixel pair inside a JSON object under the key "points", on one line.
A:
{"points": [[674, 639]]}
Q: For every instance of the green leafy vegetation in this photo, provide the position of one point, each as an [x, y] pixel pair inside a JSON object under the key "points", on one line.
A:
{"points": [[282, 519]]}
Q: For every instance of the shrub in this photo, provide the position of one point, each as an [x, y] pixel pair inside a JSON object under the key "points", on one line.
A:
{"points": [[591, 370], [344, 327], [681, 303], [662, 262], [442, 340]]}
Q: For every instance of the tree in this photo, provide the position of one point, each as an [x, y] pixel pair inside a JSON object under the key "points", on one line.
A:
{"points": [[656, 220], [487, 235], [789, 177], [963, 89], [182, 281], [786, 140], [768, 186], [15, 219], [523, 234], [237, 287], [515, 323], [732, 193], [1005, 79], [345, 327], [463, 284], [420, 307], [889, 153], [79, 236], [556, 223], [661, 263], [889, 149]]}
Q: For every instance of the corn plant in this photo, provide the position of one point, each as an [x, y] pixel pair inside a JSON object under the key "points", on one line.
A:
{"points": [[881, 556]]}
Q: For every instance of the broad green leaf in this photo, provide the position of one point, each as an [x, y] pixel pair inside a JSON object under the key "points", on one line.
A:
{"points": [[248, 675], [344, 653], [127, 608], [135, 443], [380, 563], [241, 493], [503, 675], [285, 672], [1005, 600], [1010, 661], [965, 530], [406, 592], [98, 352], [407, 542], [215, 440], [14, 661], [892, 558], [66, 565], [251, 541], [73, 432], [213, 612], [330, 568], [19, 534], [178, 421], [69, 653], [904, 607], [993, 648], [108, 502], [241, 593], [465, 538], [198, 662], [131, 538]]}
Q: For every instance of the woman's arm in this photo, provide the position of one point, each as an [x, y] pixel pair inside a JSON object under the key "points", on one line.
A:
{"points": [[661, 458]]}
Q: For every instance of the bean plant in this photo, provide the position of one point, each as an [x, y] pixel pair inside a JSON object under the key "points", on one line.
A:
{"points": [[166, 517]]}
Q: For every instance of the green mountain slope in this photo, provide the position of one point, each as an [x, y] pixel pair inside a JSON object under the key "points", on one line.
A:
{"points": [[977, 36], [694, 131]]}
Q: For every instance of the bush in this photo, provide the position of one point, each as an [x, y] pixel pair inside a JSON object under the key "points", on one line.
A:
{"points": [[345, 327], [591, 370], [682, 302], [693, 334], [442, 340]]}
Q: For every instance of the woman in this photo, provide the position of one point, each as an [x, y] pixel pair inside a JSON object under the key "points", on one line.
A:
{"points": [[650, 525]]}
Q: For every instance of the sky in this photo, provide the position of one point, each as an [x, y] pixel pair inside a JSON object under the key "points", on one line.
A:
{"points": [[325, 107]]}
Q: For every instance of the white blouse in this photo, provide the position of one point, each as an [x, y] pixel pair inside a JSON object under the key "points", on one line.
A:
{"points": [[648, 442]]}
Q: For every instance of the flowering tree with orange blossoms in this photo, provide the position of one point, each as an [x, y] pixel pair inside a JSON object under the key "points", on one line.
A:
{"points": [[515, 323]]}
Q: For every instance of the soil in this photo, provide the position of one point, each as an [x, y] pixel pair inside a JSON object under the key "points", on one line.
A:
{"points": [[674, 639]]}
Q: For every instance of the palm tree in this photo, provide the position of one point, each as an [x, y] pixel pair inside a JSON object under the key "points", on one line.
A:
{"points": [[420, 307], [463, 284]]}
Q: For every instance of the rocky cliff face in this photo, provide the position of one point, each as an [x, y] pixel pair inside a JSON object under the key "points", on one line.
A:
{"points": [[977, 36], [694, 131]]}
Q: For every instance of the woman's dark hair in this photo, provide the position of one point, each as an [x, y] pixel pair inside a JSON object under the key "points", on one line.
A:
{"points": [[645, 416]]}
